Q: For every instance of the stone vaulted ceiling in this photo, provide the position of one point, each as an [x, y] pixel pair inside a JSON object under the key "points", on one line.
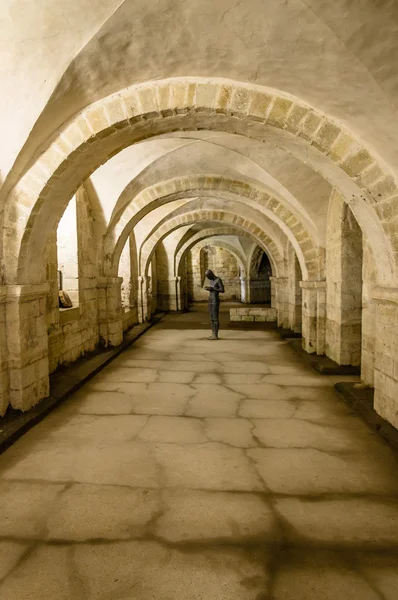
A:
{"points": [[338, 59]]}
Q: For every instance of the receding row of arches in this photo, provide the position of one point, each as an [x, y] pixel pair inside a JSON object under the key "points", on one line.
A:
{"points": [[158, 192]]}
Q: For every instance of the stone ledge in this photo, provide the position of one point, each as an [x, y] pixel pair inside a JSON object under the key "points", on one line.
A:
{"points": [[62, 384], [68, 314], [247, 314], [322, 364], [361, 399]]}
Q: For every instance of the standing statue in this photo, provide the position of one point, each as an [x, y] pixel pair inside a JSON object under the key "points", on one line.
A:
{"points": [[216, 287]]}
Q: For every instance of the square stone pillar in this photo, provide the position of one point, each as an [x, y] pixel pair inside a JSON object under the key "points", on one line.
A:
{"points": [[144, 298], [27, 344], [4, 400], [110, 315], [279, 300], [180, 294], [183, 303], [313, 316], [386, 354], [245, 290]]}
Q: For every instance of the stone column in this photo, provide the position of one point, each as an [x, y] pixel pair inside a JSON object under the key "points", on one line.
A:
{"points": [[27, 344], [179, 295], [245, 291], [369, 279], [110, 316], [183, 291], [386, 353], [3, 353], [279, 300], [293, 292], [144, 298], [313, 316], [273, 291]]}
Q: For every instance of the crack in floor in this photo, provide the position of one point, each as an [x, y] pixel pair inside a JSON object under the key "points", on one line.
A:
{"points": [[251, 507]]}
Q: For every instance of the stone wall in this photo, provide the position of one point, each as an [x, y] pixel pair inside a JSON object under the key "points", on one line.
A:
{"points": [[222, 263], [252, 314]]}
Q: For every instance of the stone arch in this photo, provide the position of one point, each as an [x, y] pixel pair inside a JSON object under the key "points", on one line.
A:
{"points": [[205, 233], [251, 258], [188, 218], [140, 112], [235, 207], [194, 186], [201, 235], [218, 244]]}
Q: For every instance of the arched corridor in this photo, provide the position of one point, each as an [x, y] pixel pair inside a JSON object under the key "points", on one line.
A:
{"points": [[144, 143]]}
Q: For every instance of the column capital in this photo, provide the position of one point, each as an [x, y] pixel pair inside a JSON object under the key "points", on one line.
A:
{"points": [[104, 282], [278, 279], [23, 293], [313, 285], [385, 295]]}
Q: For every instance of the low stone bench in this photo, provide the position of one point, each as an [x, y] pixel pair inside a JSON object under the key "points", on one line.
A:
{"points": [[253, 314]]}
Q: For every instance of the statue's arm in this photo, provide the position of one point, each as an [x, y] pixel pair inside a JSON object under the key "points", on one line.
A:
{"points": [[219, 286]]}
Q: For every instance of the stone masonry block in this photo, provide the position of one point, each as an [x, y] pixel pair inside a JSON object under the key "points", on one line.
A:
{"points": [[97, 119], [279, 111], [294, 118], [148, 99], [355, 164], [206, 95], [370, 175], [115, 109], [132, 103], [240, 101], [178, 95], [385, 188], [259, 105], [326, 136], [344, 145], [309, 125], [223, 99]]}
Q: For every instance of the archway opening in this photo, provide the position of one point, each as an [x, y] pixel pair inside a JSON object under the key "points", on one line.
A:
{"points": [[260, 273], [219, 260]]}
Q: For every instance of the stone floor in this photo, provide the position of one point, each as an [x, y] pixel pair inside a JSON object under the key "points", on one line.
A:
{"points": [[195, 470]]}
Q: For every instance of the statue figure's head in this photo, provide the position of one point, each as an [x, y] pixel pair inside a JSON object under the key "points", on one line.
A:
{"points": [[210, 275]]}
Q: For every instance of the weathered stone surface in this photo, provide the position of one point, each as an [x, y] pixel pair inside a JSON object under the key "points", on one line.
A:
{"points": [[255, 471]]}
